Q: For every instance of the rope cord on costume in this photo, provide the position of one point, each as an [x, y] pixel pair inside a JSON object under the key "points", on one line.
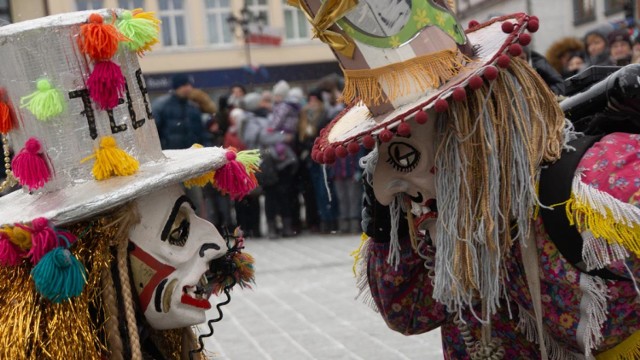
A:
{"points": [[116, 348], [476, 349], [129, 310]]}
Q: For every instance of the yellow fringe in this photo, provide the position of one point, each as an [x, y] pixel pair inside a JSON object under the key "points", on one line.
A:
{"points": [[629, 349], [603, 226], [423, 72], [202, 180], [357, 253], [111, 160]]}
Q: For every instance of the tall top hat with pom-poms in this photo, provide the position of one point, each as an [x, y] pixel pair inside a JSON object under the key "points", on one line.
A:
{"points": [[401, 58], [75, 110]]}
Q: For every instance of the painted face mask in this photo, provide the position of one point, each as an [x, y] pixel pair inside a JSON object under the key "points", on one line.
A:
{"points": [[406, 165], [173, 249]]}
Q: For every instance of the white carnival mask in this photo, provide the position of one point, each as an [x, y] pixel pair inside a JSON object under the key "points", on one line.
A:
{"points": [[406, 165], [173, 249]]}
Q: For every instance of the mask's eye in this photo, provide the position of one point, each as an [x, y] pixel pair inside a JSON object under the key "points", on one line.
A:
{"points": [[180, 229], [403, 157]]}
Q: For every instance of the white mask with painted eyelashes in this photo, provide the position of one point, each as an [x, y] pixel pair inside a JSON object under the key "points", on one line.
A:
{"points": [[172, 252]]}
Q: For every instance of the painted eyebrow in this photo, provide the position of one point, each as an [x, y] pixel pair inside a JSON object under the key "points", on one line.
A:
{"points": [[174, 212]]}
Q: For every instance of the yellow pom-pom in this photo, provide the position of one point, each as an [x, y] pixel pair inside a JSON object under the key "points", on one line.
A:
{"points": [[18, 236], [111, 160]]}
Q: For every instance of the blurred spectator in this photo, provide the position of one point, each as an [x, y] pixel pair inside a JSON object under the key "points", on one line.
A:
{"points": [[575, 64], [313, 118], [179, 124], [560, 50], [545, 70], [620, 47], [597, 47], [236, 94], [347, 179], [232, 137], [208, 110], [266, 103], [636, 51], [278, 199]]}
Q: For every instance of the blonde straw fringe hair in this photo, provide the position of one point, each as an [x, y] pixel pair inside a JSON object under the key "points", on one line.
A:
{"points": [[101, 322]]}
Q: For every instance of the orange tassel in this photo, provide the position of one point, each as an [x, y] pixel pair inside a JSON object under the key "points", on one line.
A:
{"points": [[99, 40], [6, 118]]}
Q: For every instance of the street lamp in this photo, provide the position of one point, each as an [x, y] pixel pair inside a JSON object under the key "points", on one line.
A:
{"points": [[244, 21]]}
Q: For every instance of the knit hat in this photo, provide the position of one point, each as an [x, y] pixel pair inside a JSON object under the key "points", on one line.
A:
{"points": [[252, 101], [179, 80], [619, 35], [281, 88]]}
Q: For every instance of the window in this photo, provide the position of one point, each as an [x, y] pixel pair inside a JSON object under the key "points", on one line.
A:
{"points": [[296, 24], [614, 6], [260, 8], [88, 4], [173, 16], [131, 4], [217, 12], [5, 13], [584, 11]]}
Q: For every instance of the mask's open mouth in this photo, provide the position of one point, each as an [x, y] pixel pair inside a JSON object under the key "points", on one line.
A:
{"points": [[197, 295], [423, 213]]}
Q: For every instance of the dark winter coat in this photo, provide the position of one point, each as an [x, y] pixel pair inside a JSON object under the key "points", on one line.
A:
{"points": [[548, 73], [179, 123]]}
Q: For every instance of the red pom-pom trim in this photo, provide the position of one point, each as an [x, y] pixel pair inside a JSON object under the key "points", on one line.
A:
{"points": [[533, 25], [507, 27], [473, 23], [421, 117], [404, 129], [459, 94], [490, 73], [341, 151], [385, 135], [353, 148], [475, 82], [441, 106], [368, 142], [524, 39], [503, 61], [515, 49], [329, 156]]}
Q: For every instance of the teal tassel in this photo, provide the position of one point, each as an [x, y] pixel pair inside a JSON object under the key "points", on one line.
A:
{"points": [[59, 276]]}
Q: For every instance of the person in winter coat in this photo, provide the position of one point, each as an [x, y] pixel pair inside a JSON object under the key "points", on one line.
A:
{"points": [[597, 46]]}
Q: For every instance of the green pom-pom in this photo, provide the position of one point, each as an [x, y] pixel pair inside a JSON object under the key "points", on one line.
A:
{"points": [[141, 31], [44, 103], [59, 276], [250, 159]]}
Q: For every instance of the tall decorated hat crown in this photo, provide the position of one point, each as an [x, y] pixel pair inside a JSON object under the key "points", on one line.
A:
{"points": [[401, 58], [75, 110]]}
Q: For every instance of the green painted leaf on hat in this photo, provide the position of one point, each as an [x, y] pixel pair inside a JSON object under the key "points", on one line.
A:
{"points": [[392, 23]]}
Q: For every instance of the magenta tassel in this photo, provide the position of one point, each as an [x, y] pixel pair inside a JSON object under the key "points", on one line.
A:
{"points": [[10, 253], [106, 84], [43, 239], [233, 178], [30, 166]]}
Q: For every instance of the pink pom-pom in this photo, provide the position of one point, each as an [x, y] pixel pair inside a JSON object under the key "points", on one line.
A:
{"points": [[30, 166], [353, 148], [232, 178], [106, 84], [10, 253], [43, 239]]}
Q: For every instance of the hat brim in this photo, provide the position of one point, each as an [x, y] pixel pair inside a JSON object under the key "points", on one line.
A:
{"points": [[87, 199], [356, 121]]}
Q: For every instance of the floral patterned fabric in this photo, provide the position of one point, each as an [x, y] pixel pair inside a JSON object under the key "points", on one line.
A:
{"points": [[403, 295]]}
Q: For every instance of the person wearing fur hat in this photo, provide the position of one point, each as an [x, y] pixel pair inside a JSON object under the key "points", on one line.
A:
{"points": [[102, 254], [560, 50], [457, 232]]}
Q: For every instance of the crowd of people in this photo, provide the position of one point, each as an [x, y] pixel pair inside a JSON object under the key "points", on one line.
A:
{"points": [[299, 194]]}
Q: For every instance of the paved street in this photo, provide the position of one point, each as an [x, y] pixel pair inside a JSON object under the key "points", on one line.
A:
{"points": [[303, 307]]}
